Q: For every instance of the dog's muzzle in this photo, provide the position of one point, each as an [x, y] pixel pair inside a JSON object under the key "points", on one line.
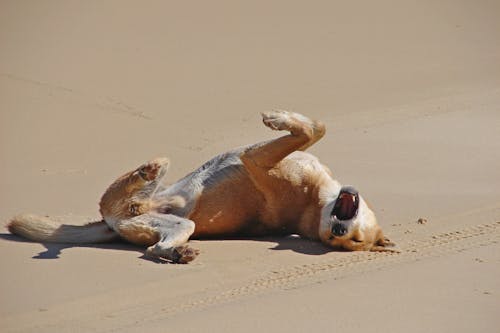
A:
{"points": [[345, 209]]}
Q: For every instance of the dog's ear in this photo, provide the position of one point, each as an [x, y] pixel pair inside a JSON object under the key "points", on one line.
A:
{"points": [[383, 244], [384, 241]]}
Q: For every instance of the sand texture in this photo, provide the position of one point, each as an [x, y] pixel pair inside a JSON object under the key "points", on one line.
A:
{"points": [[409, 92]]}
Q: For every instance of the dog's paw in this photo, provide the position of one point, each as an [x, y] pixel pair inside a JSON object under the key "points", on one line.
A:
{"points": [[285, 120], [184, 254], [153, 169], [278, 120], [177, 255]]}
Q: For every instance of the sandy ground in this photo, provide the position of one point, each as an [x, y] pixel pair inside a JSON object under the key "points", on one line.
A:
{"points": [[410, 94]]}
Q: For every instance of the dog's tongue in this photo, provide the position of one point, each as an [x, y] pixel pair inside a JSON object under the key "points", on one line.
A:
{"points": [[346, 208]]}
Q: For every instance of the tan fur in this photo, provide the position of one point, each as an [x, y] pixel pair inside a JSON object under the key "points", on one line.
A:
{"points": [[124, 198], [227, 209]]}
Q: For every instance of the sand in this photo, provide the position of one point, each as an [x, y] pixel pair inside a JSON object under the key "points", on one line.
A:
{"points": [[410, 94]]}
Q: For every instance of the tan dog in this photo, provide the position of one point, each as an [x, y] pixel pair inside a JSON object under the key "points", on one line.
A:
{"points": [[269, 188]]}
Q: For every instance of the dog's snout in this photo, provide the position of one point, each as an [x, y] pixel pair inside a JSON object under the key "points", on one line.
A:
{"points": [[339, 229]]}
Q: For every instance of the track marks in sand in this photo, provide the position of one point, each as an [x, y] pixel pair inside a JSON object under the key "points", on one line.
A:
{"points": [[67, 95], [335, 265], [347, 263]]}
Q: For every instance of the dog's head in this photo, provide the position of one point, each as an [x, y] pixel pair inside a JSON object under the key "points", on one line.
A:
{"points": [[348, 223]]}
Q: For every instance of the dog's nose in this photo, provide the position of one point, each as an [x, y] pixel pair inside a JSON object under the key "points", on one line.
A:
{"points": [[338, 229]]}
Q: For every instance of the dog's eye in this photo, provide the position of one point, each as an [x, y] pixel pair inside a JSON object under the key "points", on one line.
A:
{"points": [[357, 240]]}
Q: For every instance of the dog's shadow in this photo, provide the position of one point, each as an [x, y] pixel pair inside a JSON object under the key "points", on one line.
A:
{"points": [[292, 243], [296, 244], [289, 243], [54, 250]]}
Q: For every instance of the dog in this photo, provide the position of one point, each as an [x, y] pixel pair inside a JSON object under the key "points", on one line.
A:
{"points": [[269, 188]]}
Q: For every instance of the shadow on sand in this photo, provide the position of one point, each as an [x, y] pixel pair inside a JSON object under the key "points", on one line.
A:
{"points": [[291, 243], [54, 250]]}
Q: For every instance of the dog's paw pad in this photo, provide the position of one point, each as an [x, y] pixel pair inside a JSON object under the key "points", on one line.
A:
{"points": [[153, 169], [185, 254]]}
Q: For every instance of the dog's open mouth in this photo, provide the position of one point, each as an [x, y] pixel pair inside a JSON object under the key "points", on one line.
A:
{"points": [[345, 209], [347, 204]]}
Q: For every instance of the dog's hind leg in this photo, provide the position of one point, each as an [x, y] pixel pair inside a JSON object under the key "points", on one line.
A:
{"points": [[165, 234], [304, 132], [131, 194], [146, 178]]}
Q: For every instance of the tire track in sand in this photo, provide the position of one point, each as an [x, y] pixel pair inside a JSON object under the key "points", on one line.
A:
{"points": [[436, 245]]}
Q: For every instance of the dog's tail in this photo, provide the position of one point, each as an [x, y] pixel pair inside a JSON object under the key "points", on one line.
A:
{"points": [[44, 229]]}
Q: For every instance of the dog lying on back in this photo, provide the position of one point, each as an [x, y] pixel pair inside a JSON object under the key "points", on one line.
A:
{"points": [[268, 188]]}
